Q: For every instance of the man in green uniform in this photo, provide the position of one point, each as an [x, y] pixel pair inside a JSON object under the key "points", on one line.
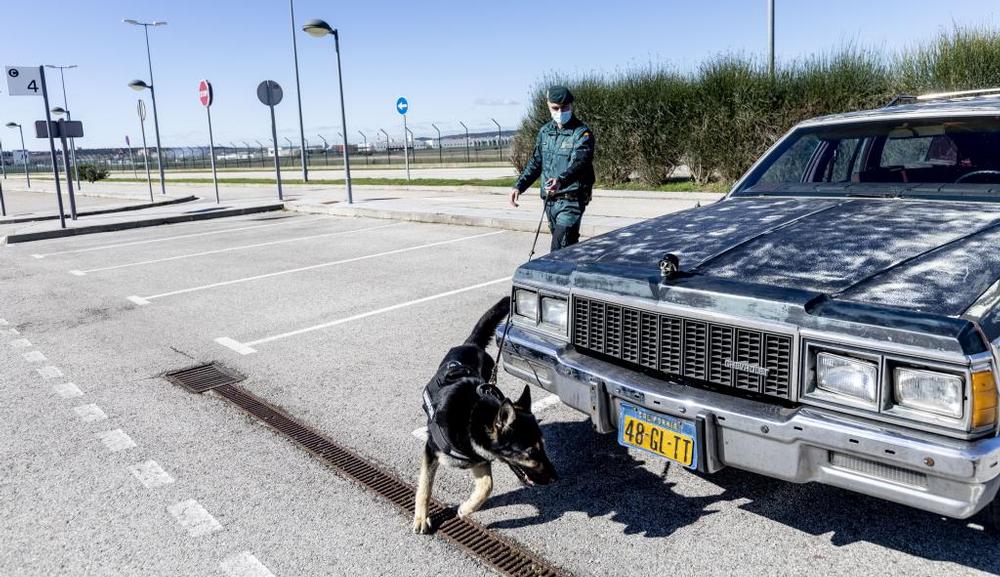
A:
{"points": [[564, 158]]}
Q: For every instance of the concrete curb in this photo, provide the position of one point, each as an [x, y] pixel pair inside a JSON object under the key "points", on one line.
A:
{"points": [[101, 211], [519, 225], [124, 225]]}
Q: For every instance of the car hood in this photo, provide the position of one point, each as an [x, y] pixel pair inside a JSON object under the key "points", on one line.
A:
{"points": [[929, 256]]}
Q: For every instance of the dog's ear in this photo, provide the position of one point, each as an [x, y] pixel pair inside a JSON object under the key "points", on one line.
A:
{"points": [[505, 416], [524, 403]]}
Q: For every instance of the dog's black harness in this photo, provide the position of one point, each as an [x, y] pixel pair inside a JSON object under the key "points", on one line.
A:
{"points": [[432, 400]]}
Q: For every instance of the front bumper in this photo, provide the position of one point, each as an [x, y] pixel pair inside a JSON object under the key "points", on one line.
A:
{"points": [[947, 476]]}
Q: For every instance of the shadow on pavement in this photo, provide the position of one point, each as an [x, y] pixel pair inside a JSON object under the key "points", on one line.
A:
{"points": [[599, 478]]}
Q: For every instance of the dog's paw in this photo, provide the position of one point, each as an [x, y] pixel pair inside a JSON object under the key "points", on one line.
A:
{"points": [[421, 524], [467, 509]]}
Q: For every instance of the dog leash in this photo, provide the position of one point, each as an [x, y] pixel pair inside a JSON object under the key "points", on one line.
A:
{"points": [[510, 315]]}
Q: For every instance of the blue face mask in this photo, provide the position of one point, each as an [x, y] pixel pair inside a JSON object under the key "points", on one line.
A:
{"points": [[563, 117]]}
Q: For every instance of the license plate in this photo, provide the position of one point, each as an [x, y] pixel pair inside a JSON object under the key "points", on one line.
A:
{"points": [[664, 436]]}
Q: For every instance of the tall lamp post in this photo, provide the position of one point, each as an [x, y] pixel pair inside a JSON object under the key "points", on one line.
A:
{"points": [[24, 151], [468, 158], [139, 85], [318, 29], [770, 37], [298, 92]]}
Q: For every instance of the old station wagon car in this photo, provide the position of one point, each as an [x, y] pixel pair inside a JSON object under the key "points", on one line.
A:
{"points": [[835, 318]]}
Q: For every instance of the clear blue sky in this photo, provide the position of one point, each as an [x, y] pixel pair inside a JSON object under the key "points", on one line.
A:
{"points": [[453, 60]]}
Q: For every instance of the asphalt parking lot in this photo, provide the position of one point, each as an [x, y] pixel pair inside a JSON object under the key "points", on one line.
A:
{"points": [[340, 321]]}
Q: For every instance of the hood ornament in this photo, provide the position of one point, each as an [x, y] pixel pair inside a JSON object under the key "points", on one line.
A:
{"points": [[670, 265]]}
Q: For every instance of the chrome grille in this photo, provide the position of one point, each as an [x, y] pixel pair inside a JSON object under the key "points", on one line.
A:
{"points": [[681, 347]]}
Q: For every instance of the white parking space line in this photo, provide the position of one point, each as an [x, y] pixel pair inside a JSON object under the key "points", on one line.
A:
{"points": [[67, 390], [244, 565], [20, 343], [10, 332], [141, 300], [233, 248], [420, 433], [247, 348], [90, 413], [167, 238], [34, 357], [117, 440], [193, 517], [50, 372], [151, 474]]}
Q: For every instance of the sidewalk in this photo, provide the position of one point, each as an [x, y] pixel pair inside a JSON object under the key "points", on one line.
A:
{"points": [[462, 205], [490, 207]]}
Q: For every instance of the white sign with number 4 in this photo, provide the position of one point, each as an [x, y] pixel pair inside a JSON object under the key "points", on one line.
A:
{"points": [[23, 80]]}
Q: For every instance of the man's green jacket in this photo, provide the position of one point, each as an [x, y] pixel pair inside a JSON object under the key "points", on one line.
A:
{"points": [[566, 154]]}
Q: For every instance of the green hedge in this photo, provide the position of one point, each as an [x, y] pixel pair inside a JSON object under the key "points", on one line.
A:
{"points": [[720, 118]]}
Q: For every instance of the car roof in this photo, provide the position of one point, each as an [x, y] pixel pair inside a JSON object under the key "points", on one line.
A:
{"points": [[910, 107]]}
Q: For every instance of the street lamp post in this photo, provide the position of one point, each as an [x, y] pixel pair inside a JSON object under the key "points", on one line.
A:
{"points": [[298, 92], [468, 158], [72, 141], [499, 139], [770, 37], [440, 159], [139, 85], [24, 151], [388, 159], [367, 152], [317, 29]]}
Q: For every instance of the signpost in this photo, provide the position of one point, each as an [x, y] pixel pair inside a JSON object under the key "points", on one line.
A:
{"points": [[206, 96], [269, 93], [402, 106], [141, 109], [30, 81]]}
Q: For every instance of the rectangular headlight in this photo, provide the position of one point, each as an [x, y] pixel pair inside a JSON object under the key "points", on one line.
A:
{"points": [[847, 377], [526, 304], [929, 391], [554, 312]]}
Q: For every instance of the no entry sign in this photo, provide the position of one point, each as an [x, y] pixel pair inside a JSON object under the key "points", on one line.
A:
{"points": [[205, 94]]}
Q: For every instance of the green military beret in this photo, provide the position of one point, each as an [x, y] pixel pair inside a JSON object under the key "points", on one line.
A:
{"points": [[559, 95]]}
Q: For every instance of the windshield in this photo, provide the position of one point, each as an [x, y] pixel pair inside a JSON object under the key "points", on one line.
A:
{"points": [[944, 158]]}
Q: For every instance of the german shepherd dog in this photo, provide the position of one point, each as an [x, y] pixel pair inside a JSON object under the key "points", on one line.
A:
{"points": [[471, 424]]}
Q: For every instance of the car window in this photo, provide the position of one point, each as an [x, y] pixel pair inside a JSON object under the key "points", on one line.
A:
{"points": [[911, 151], [920, 157], [844, 163], [792, 165]]}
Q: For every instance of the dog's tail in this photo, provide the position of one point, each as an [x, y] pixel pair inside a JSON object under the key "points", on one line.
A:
{"points": [[483, 330]]}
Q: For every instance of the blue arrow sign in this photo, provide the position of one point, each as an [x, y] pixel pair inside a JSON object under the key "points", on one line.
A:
{"points": [[402, 105]]}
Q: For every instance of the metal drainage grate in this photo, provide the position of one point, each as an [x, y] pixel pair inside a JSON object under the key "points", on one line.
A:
{"points": [[503, 555], [203, 377]]}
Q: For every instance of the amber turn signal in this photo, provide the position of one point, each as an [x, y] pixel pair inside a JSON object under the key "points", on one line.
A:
{"points": [[984, 399]]}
